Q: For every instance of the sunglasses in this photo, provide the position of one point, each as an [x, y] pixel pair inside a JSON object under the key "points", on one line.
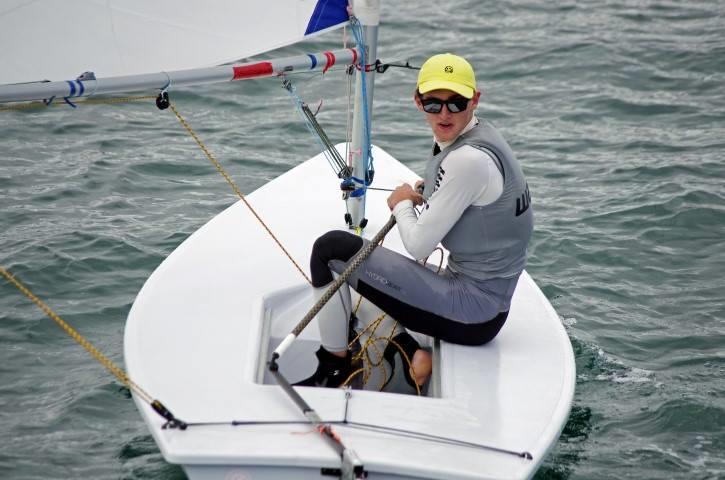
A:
{"points": [[435, 105]]}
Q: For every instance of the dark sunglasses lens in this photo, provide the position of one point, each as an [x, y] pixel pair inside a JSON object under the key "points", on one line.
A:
{"points": [[432, 105], [458, 105]]}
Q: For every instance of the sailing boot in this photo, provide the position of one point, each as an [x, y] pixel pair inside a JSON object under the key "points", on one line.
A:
{"points": [[333, 319], [331, 371]]}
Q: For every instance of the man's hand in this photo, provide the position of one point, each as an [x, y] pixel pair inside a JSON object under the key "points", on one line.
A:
{"points": [[404, 192]]}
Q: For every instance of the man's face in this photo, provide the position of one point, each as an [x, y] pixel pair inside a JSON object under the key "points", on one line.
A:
{"points": [[447, 126]]}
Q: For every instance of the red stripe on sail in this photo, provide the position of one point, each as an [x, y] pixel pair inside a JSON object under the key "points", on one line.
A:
{"points": [[262, 69]]}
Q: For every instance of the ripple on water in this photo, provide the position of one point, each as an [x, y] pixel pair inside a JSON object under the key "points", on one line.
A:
{"points": [[140, 458], [616, 110]]}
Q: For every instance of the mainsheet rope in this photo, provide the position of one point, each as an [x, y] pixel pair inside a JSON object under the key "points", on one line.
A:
{"points": [[234, 186], [202, 146], [117, 371]]}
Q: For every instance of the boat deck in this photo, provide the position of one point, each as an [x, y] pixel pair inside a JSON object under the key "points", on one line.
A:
{"points": [[201, 327]]}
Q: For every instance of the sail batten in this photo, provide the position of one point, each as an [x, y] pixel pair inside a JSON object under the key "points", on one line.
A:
{"points": [[53, 40]]}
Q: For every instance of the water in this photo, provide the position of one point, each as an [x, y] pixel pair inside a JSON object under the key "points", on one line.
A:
{"points": [[616, 110]]}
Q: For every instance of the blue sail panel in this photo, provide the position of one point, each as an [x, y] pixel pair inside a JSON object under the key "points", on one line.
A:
{"points": [[327, 13]]}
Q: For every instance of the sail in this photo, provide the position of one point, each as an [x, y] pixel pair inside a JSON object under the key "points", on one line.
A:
{"points": [[59, 40]]}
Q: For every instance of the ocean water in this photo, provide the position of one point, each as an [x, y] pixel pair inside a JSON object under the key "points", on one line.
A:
{"points": [[616, 110]]}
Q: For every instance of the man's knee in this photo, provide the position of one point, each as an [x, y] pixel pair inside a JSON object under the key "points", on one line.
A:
{"points": [[333, 245]]}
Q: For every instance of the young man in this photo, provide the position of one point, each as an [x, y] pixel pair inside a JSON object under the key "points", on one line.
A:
{"points": [[475, 202]]}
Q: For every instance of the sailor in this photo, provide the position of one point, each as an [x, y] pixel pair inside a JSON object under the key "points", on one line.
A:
{"points": [[475, 202]]}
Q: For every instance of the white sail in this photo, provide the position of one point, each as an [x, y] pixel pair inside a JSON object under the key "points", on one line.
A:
{"points": [[59, 40]]}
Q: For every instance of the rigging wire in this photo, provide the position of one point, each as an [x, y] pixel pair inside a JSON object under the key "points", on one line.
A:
{"points": [[357, 31], [348, 117], [366, 177], [333, 157], [399, 432]]}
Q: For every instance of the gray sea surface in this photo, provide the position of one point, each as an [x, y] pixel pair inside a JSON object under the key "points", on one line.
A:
{"points": [[616, 110]]}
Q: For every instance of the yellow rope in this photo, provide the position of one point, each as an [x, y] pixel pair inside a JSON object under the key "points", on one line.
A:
{"points": [[234, 186], [353, 375], [364, 351], [196, 138], [119, 373], [372, 341]]}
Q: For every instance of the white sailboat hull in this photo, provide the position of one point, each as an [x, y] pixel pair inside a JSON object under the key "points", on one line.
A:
{"points": [[201, 329]]}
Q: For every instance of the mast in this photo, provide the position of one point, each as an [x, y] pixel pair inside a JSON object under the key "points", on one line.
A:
{"points": [[368, 13]]}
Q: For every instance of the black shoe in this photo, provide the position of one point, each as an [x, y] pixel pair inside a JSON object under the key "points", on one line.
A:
{"points": [[409, 346], [331, 371]]}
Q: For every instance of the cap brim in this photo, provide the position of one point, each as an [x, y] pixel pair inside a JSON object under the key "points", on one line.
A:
{"points": [[462, 90]]}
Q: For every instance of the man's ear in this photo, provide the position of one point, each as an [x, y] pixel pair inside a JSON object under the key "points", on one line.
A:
{"points": [[475, 98], [416, 99]]}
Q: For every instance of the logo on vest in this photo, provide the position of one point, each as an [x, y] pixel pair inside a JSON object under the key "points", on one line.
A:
{"points": [[439, 179], [523, 202]]}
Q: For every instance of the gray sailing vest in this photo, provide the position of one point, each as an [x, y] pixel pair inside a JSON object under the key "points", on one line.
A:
{"points": [[488, 241]]}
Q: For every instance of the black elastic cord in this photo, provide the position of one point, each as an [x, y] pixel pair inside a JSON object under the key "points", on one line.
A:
{"points": [[383, 67], [374, 428]]}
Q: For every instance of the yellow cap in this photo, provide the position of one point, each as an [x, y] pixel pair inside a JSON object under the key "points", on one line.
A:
{"points": [[447, 72]]}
